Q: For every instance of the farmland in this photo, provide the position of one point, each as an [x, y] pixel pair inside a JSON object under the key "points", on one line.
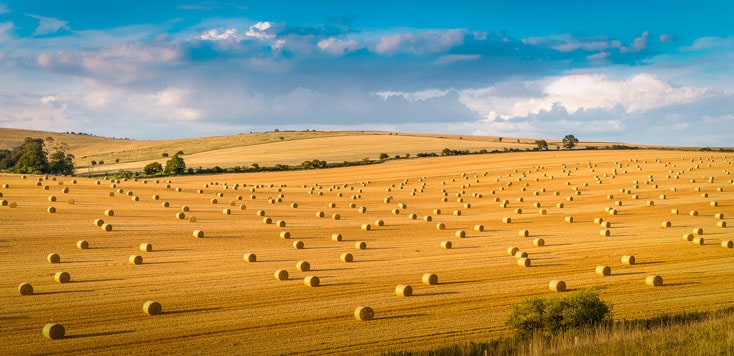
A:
{"points": [[214, 300]]}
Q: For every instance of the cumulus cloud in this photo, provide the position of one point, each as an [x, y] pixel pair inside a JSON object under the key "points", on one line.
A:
{"points": [[48, 25], [263, 30], [337, 47], [214, 35], [419, 43]]}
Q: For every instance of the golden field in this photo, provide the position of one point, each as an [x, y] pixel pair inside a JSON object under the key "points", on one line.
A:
{"points": [[215, 302]]}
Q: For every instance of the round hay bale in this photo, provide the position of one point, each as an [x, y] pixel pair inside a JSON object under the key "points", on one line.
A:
{"points": [[311, 281], [180, 216], [693, 213], [603, 270], [568, 219], [145, 247], [479, 228], [82, 244], [412, 216], [250, 257], [366, 227], [557, 286], [446, 245], [441, 226], [25, 289], [721, 224], [437, 211], [688, 237], [62, 277], [226, 211], [524, 233], [165, 204], [628, 260], [51, 198], [303, 266], [698, 231], [198, 234], [460, 234], [666, 224], [560, 205], [430, 279], [285, 235], [727, 244], [507, 220], [719, 216], [319, 214], [53, 258], [152, 308], [156, 197], [518, 211], [698, 240], [427, 218], [362, 210], [298, 244], [260, 213], [109, 212], [135, 198], [539, 242], [379, 223], [267, 220], [674, 211], [396, 211], [542, 212], [650, 203], [521, 254], [213, 201], [512, 250], [654, 281], [403, 290], [346, 257], [364, 313], [281, 275], [135, 260], [360, 245], [457, 212], [523, 262], [280, 223], [54, 331], [336, 237], [98, 222], [605, 232], [185, 208], [598, 220]]}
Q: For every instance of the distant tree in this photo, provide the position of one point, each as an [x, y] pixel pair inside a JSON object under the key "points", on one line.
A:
{"points": [[117, 160], [180, 153], [100, 162], [255, 166], [446, 152], [152, 168], [165, 154], [569, 141], [175, 165], [61, 162], [94, 163], [499, 139], [541, 145], [384, 156], [6, 159], [30, 157]]}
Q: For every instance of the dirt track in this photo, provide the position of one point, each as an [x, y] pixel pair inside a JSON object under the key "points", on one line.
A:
{"points": [[214, 302]]}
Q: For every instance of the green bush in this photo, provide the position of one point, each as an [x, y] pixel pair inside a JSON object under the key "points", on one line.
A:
{"points": [[559, 314]]}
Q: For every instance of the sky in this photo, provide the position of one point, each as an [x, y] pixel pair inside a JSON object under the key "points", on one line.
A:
{"points": [[647, 72]]}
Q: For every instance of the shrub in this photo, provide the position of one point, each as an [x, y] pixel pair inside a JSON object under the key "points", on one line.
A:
{"points": [[558, 314]]}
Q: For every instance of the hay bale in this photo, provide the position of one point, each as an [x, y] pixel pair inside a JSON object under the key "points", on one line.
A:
{"points": [[53, 258], [538, 242], [98, 222], [192, 219], [568, 219], [362, 210], [319, 214], [441, 226], [507, 220], [156, 196], [446, 245], [54, 331], [674, 211], [145, 247], [654, 280], [557, 286], [688, 237], [364, 313], [346, 257], [360, 245], [518, 211], [719, 216], [267, 220], [366, 227], [628, 260], [260, 213], [25, 289], [62, 277], [521, 254], [693, 213], [524, 233], [698, 240], [51, 198], [82, 244], [135, 198], [403, 290], [152, 308], [523, 262], [185, 208], [666, 224], [198, 234], [294, 205], [303, 266], [135, 260], [650, 203], [281, 275], [379, 223], [603, 270], [698, 231], [727, 244], [512, 250], [298, 244], [109, 212], [460, 234], [311, 281], [437, 211], [721, 224], [479, 228], [430, 279], [213, 201], [396, 211], [285, 235], [250, 257], [180, 216], [427, 218], [336, 237], [412, 216], [280, 223]]}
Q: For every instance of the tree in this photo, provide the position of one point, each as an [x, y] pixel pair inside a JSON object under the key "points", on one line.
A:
{"points": [[175, 165], [30, 157], [152, 168], [61, 163], [541, 145], [569, 142], [384, 156], [6, 159]]}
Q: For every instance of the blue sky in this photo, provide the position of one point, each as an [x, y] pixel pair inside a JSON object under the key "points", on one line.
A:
{"points": [[626, 71]]}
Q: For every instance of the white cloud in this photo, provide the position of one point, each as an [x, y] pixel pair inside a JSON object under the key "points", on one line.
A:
{"points": [[638, 44], [215, 35], [48, 25], [419, 43], [599, 57], [452, 58], [711, 42], [569, 43], [337, 47], [422, 95], [263, 30]]}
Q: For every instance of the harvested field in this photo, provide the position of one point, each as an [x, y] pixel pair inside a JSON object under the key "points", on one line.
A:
{"points": [[215, 302]]}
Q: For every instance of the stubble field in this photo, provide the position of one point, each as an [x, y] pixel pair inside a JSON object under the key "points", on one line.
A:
{"points": [[215, 302]]}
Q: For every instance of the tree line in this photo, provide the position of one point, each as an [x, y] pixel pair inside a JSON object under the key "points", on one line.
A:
{"points": [[31, 157]]}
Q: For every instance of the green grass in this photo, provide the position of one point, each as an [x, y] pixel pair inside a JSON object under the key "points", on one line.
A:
{"points": [[700, 333]]}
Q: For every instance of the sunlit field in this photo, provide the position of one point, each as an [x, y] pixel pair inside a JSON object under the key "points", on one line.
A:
{"points": [[215, 301]]}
